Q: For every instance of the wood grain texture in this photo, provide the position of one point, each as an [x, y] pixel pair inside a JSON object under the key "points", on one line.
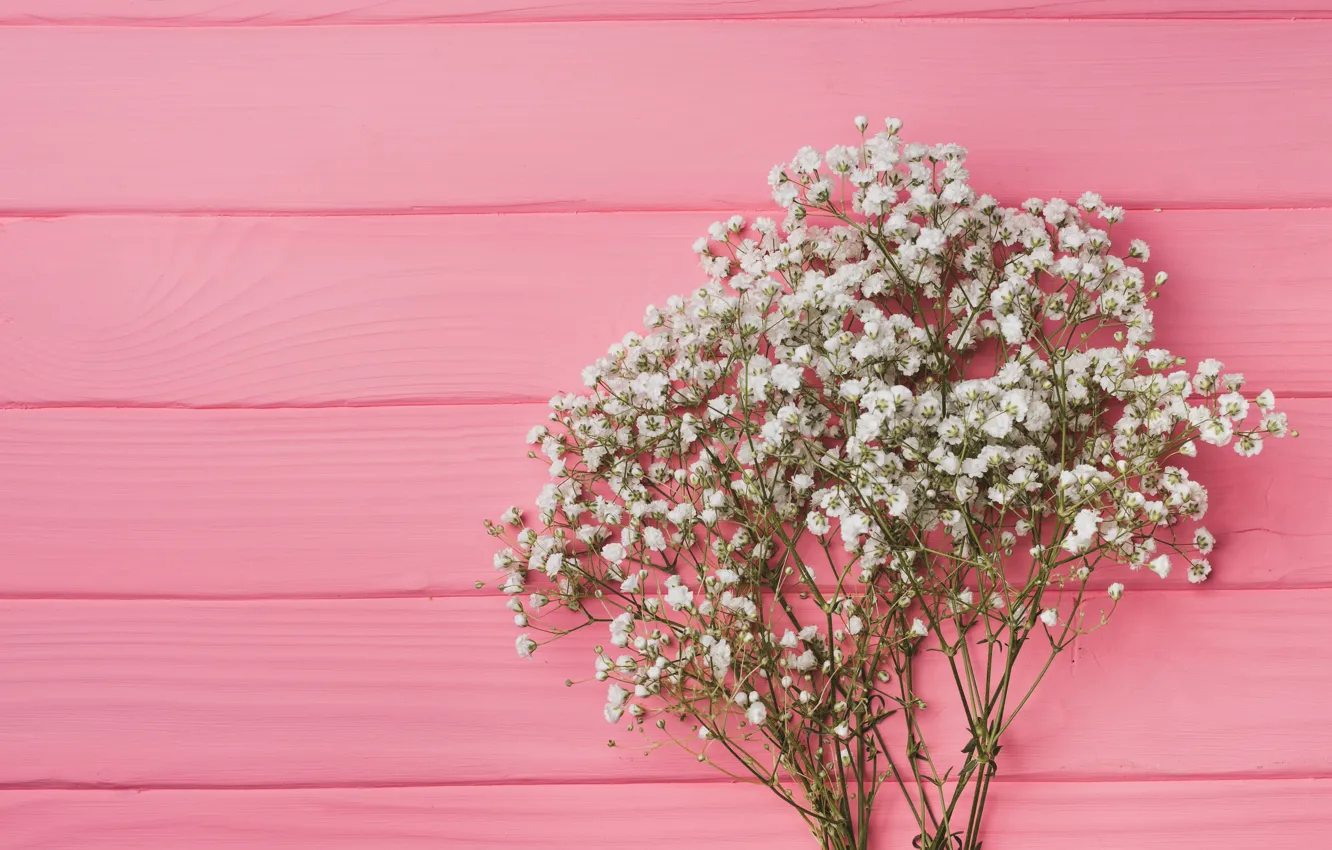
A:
{"points": [[223, 626], [298, 311], [327, 502], [315, 311], [390, 501], [393, 691], [396, 118], [1232, 815], [313, 12]]}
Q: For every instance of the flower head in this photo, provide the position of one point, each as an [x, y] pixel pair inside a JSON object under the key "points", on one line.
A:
{"points": [[970, 395]]}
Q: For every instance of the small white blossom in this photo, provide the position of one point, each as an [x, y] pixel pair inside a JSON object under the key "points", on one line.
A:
{"points": [[655, 540], [554, 564], [786, 377], [757, 713], [1080, 538], [1203, 540], [1160, 565], [818, 523], [1199, 570], [720, 655], [525, 645], [679, 597], [620, 628]]}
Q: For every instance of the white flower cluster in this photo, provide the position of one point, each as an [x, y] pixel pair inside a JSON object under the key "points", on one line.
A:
{"points": [[905, 411]]}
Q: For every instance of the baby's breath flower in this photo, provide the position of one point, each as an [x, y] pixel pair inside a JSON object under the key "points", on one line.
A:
{"points": [[525, 645], [1203, 540], [1199, 570], [757, 713], [929, 374], [1160, 565]]}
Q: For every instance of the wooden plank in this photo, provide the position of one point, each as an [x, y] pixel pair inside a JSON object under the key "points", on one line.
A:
{"points": [[1227, 815], [331, 310], [551, 817], [387, 692], [397, 118], [295, 311], [375, 501], [328, 502], [312, 12]]}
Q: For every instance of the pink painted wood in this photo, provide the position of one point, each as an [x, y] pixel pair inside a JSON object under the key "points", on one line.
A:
{"points": [[412, 691], [1228, 815], [271, 12], [285, 311], [195, 651], [1151, 113], [390, 501]]}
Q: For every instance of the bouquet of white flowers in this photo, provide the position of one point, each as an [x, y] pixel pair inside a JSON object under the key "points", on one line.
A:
{"points": [[904, 428]]}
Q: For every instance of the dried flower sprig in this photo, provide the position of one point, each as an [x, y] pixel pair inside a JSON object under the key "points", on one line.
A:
{"points": [[903, 428]]}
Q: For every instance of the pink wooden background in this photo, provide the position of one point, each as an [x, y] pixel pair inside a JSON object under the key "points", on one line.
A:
{"points": [[283, 282]]}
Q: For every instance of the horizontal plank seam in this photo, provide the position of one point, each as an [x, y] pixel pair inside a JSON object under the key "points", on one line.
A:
{"points": [[1035, 779], [487, 593], [350, 596], [314, 405], [1250, 17], [553, 209], [15, 406]]}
